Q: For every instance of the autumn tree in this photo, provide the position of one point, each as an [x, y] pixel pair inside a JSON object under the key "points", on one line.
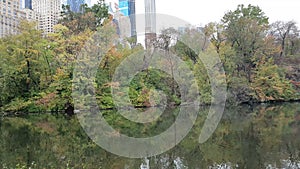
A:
{"points": [[270, 84]]}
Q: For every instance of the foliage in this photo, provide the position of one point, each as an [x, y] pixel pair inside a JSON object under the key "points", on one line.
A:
{"points": [[88, 18], [23, 63], [36, 72], [245, 29], [36, 75], [286, 34], [269, 83]]}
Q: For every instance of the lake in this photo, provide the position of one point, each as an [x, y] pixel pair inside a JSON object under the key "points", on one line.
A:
{"points": [[257, 136]]}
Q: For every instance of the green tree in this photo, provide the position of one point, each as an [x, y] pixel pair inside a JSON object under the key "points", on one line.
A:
{"points": [[22, 63], [88, 18], [66, 47], [190, 43], [245, 29]]}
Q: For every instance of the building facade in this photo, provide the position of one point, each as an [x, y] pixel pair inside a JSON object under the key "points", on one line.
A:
{"points": [[127, 8], [150, 14], [49, 12], [150, 22], [10, 14], [75, 5], [28, 4], [132, 17], [31, 15]]}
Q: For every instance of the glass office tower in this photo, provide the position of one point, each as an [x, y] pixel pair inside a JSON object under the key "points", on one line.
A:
{"points": [[150, 22], [28, 4], [76, 4], [127, 8]]}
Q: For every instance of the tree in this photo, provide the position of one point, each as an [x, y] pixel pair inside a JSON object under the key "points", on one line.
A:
{"points": [[245, 29], [100, 10], [190, 43], [22, 62], [283, 32], [88, 18], [166, 38], [66, 47], [215, 33], [270, 84]]}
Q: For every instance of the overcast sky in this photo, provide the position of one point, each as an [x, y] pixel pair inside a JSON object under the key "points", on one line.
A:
{"points": [[200, 12]]}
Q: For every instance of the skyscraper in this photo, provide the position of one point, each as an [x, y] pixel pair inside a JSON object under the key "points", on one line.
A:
{"points": [[76, 4], [10, 15], [12, 12], [49, 11], [127, 8], [150, 22], [132, 17], [28, 4]]}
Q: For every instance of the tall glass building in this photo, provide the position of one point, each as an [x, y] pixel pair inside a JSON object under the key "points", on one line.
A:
{"points": [[132, 17], [150, 22], [150, 12], [76, 4], [127, 8], [28, 4]]}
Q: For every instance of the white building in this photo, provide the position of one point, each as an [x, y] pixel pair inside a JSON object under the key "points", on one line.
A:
{"points": [[49, 13], [31, 15], [150, 16]]}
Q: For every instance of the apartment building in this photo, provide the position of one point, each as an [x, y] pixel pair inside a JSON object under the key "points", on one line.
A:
{"points": [[10, 15], [31, 15], [49, 13]]}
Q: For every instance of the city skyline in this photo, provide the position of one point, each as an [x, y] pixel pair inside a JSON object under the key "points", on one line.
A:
{"points": [[203, 12]]}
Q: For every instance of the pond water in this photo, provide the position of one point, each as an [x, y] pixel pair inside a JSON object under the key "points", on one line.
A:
{"points": [[260, 136]]}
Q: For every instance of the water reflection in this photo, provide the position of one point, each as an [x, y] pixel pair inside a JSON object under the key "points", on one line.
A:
{"points": [[263, 136]]}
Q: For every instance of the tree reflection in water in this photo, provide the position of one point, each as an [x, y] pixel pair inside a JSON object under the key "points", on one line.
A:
{"points": [[261, 136]]}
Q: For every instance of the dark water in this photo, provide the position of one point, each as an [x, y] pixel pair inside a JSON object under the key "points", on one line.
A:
{"points": [[262, 136]]}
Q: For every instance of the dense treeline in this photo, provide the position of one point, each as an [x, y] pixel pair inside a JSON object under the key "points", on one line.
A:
{"points": [[261, 61]]}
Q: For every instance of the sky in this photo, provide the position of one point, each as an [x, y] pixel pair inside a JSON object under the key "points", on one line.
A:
{"points": [[200, 12]]}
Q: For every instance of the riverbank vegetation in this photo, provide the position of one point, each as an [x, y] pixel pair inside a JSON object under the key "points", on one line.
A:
{"points": [[261, 61]]}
